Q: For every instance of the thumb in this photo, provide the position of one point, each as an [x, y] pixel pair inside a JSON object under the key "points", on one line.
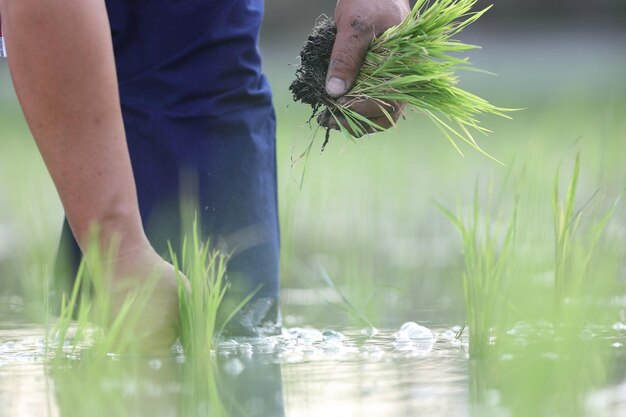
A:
{"points": [[351, 45]]}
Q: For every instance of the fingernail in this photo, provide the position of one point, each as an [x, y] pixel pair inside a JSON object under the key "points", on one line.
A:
{"points": [[335, 87]]}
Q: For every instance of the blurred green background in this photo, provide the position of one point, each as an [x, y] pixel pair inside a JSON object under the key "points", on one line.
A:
{"points": [[366, 216], [365, 213]]}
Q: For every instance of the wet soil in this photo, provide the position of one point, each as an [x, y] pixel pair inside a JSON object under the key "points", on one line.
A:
{"points": [[309, 87]]}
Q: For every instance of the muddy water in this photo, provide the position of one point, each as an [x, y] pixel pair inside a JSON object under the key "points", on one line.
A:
{"points": [[408, 371]]}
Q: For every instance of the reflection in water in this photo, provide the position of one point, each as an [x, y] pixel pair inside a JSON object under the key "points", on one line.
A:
{"points": [[115, 387], [24, 387], [251, 388], [321, 372], [428, 386], [167, 387], [551, 376], [226, 385], [25, 391], [307, 372]]}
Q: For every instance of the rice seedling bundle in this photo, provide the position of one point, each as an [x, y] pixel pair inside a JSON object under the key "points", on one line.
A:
{"points": [[413, 63]]}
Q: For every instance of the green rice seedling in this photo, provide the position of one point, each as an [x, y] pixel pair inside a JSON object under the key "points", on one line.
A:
{"points": [[345, 303], [558, 353], [58, 332], [413, 63], [201, 296], [488, 251], [200, 299], [575, 247]]}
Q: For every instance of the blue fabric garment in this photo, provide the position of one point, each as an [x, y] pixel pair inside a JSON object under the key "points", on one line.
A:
{"points": [[196, 105]]}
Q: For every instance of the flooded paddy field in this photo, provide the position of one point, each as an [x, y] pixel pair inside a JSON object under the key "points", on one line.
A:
{"points": [[365, 249], [303, 372]]}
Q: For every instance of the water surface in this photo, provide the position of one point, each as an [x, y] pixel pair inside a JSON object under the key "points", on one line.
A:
{"points": [[304, 372]]}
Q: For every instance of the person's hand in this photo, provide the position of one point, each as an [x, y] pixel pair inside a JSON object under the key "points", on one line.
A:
{"points": [[153, 323], [73, 110], [358, 22]]}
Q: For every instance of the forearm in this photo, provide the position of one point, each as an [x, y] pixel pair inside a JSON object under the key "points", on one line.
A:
{"points": [[62, 65]]}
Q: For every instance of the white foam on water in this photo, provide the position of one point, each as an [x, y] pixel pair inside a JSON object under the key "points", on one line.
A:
{"points": [[447, 336], [414, 339], [227, 344], [521, 328], [234, 367], [619, 326], [245, 347], [329, 335], [155, 364], [414, 331], [304, 335]]}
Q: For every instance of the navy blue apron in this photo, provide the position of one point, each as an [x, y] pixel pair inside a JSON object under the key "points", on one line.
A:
{"points": [[198, 114]]}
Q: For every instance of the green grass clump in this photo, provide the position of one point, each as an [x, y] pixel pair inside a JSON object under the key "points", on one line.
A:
{"points": [[201, 296], [562, 352], [501, 284], [488, 253], [411, 63], [575, 247]]}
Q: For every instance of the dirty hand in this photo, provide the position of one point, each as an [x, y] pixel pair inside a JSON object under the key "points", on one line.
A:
{"points": [[358, 22]]}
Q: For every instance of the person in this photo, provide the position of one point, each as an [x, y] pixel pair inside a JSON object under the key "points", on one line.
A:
{"points": [[127, 99]]}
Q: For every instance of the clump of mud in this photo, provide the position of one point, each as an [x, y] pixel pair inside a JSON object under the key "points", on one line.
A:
{"points": [[309, 87]]}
